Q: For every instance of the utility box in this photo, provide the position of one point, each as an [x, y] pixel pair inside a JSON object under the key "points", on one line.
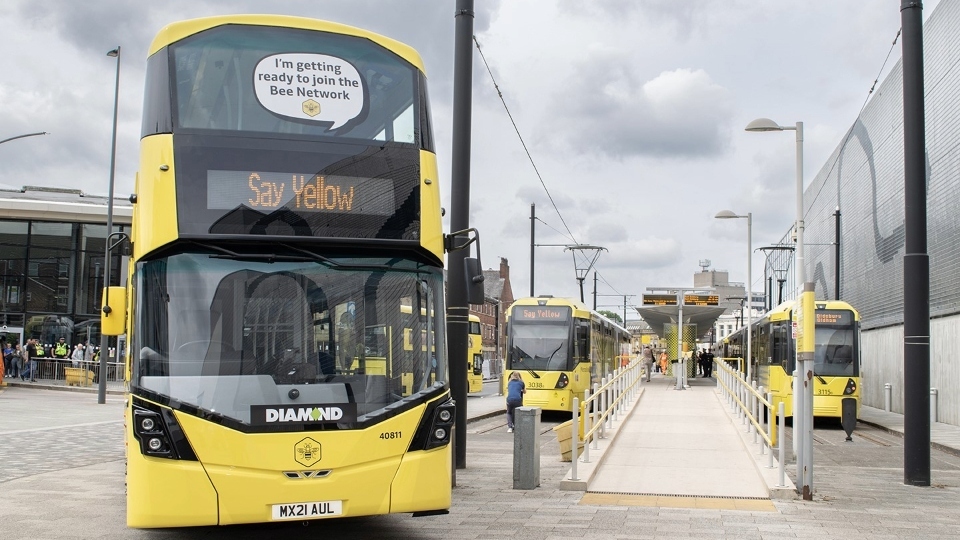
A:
{"points": [[526, 448]]}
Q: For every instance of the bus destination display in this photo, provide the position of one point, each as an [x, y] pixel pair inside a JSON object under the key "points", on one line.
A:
{"points": [[541, 313], [659, 299], [701, 300], [299, 192]]}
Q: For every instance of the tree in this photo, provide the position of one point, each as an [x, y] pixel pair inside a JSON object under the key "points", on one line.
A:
{"points": [[611, 315]]}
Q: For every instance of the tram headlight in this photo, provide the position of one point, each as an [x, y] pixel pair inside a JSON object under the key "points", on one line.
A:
{"points": [[562, 381], [850, 388]]}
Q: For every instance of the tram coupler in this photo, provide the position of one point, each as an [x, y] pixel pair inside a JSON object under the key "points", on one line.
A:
{"points": [[848, 416]]}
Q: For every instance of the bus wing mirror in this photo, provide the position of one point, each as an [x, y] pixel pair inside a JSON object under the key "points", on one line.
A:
{"points": [[113, 317], [474, 276]]}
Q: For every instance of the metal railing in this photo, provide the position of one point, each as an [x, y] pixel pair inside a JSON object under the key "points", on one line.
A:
{"points": [[750, 402], [50, 370], [600, 408]]}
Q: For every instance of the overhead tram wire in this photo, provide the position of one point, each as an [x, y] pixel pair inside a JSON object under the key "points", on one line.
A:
{"points": [[850, 131], [524, 144], [496, 86]]}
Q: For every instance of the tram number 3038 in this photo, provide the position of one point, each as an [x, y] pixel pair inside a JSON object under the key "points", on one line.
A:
{"points": [[308, 510]]}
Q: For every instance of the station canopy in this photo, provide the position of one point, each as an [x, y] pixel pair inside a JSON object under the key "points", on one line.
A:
{"points": [[702, 316]]}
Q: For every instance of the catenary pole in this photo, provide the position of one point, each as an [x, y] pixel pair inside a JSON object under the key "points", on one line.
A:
{"points": [[533, 229], [457, 308], [916, 261]]}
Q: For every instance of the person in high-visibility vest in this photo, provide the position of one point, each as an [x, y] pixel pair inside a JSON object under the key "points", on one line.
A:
{"points": [[61, 349]]}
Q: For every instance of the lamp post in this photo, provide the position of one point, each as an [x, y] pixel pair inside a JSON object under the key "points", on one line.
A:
{"points": [[105, 342], [727, 214], [803, 393]]}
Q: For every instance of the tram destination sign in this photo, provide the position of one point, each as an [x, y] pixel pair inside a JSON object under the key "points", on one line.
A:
{"points": [[299, 192], [659, 299], [541, 313], [701, 300]]}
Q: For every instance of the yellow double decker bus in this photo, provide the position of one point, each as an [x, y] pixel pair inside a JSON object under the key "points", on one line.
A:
{"points": [[560, 348], [287, 207]]}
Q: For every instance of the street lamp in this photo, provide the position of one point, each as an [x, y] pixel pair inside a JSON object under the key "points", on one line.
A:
{"points": [[803, 394], [727, 214], [104, 348]]}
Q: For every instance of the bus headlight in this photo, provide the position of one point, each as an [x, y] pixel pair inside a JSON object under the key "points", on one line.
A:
{"points": [[562, 381], [436, 427], [850, 388], [159, 433]]}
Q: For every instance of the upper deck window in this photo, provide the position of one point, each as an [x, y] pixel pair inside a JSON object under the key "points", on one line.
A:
{"points": [[265, 81]]}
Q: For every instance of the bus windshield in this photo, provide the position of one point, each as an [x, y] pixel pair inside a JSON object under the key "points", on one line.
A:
{"points": [[232, 334], [540, 347], [292, 82]]}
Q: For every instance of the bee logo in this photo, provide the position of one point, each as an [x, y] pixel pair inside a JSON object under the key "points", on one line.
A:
{"points": [[311, 107], [307, 452]]}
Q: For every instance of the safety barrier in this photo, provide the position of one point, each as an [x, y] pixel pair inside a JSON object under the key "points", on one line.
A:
{"points": [[749, 402], [59, 371], [600, 408]]}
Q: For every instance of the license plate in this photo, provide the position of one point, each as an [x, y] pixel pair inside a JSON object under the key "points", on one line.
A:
{"points": [[307, 510]]}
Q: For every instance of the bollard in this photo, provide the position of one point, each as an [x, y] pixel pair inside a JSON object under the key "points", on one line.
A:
{"points": [[887, 396], [933, 405], [526, 448]]}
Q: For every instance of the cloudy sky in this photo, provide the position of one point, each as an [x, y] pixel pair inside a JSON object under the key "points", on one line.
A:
{"points": [[632, 110]]}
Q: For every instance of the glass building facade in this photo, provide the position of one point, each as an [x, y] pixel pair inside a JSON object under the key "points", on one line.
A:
{"points": [[51, 279]]}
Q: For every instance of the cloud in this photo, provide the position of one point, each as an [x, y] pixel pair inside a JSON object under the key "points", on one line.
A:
{"points": [[606, 108]]}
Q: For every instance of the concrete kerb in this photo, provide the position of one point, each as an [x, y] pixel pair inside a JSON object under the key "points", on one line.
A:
{"points": [[770, 477], [64, 387], [586, 471]]}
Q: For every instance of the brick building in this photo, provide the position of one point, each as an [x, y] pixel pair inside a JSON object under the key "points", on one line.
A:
{"points": [[498, 295]]}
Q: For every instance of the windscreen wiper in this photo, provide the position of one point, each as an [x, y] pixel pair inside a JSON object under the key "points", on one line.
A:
{"points": [[326, 261], [520, 361]]}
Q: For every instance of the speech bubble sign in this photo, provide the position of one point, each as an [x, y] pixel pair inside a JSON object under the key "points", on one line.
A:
{"points": [[311, 87]]}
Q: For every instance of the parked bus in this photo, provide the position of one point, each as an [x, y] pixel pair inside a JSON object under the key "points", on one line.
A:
{"points": [[836, 376], [287, 207], [474, 355], [560, 348]]}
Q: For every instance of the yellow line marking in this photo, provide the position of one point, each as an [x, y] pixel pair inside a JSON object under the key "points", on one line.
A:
{"points": [[713, 503]]}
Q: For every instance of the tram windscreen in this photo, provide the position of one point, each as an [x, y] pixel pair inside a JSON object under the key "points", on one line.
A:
{"points": [[836, 352], [540, 347], [254, 339]]}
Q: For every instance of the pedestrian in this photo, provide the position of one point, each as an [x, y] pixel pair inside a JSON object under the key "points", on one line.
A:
{"points": [[77, 357], [7, 352], [695, 357], [515, 391], [61, 350], [646, 356], [30, 352], [16, 361], [663, 361], [706, 358]]}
